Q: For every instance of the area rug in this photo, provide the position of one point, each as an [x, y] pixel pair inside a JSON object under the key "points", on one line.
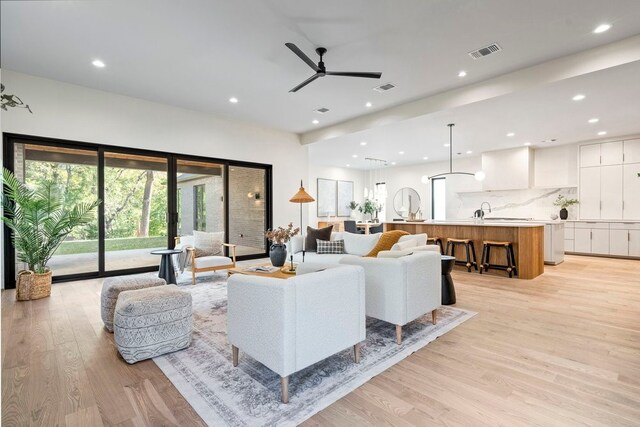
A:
{"points": [[249, 395]]}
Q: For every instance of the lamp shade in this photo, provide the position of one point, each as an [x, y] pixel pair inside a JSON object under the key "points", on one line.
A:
{"points": [[302, 196]]}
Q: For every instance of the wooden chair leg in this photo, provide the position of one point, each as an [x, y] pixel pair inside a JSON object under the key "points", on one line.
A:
{"points": [[193, 276], [234, 352], [356, 352], [398, 334], [284, 387], [434, 316]]}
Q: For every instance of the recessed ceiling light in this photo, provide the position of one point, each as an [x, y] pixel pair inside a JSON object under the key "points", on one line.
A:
{"points": [[594, 120], [400, 152], [233, 100], [579, 97], [355, 156], [510, 134], [368, 105], [348, 165], [602, 132], [445, 145], [469, 151], [602, 28], [97, 63], [425, 158], [315, 122], [363, 143], [462, 73], [393, 163], [527, 144]]}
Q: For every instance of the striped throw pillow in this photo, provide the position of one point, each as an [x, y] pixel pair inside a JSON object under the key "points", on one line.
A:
{"points": [[330, 247]]}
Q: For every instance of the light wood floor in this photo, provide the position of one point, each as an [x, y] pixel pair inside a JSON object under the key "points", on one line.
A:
{"points": [[563, 349]]}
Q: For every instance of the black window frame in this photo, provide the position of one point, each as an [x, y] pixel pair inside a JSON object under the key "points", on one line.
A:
{"points": [[433, 204], [10, 139]]}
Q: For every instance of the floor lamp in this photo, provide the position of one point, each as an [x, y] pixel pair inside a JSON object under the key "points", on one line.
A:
{"points": [[302, 197]]}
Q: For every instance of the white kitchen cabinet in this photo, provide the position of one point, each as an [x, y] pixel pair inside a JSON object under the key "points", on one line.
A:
{"points": [[599, 241], [634, 243], [568, 245], [589, 193], [619, 242], [590, 155], [632, 151], [611, 153], [631, 191], [611, 191], [582, 240]]}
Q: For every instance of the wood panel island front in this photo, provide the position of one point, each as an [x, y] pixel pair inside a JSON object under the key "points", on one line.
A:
{"points": [[527, 239]]}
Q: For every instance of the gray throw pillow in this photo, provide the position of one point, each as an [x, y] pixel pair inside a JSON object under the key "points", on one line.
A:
{"points": [[314, 234], [207, 244], [330, 247]]}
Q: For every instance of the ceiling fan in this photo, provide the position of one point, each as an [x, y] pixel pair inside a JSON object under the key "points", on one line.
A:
{"points": [[321, 70]]}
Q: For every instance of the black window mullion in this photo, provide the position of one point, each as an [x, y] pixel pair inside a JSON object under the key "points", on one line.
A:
{"points": [[101, 223]]}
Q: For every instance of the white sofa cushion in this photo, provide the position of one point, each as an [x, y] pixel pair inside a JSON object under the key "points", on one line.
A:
{"points": [[359, 244], [407, 244], [421, 239], [314, 257]]}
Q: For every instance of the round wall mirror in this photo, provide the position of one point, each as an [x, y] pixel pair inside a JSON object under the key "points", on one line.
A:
{"points": [[406, 201]]}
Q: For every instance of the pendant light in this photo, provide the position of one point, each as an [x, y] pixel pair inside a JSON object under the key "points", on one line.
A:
{"points": [[479, 176]]}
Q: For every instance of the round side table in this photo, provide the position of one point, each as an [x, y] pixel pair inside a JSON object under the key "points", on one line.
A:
{"points": [[448, 290], [167, 272]]}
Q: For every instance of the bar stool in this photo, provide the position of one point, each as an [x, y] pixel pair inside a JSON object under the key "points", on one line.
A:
{"points": [[469, 248], [508, 249], [436, 241]]}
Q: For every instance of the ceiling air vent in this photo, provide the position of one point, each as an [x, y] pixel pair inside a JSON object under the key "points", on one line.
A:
{"points": [[484, 51], [384, 87], [321, 110]]}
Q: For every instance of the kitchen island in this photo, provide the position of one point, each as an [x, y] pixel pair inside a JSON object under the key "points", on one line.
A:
{"points": [[527, 239]]}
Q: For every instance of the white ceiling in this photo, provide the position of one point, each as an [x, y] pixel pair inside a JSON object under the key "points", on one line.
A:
{"points": [[534, 115], [198, 53]]}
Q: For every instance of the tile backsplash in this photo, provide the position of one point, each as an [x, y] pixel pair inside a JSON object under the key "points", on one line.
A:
{"points": [[531, 203]]}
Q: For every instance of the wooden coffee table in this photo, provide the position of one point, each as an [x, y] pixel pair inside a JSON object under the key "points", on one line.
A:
{"points": [[276, 274]]}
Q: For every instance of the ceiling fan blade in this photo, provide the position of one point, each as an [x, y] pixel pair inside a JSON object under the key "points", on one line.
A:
{"points": [[306, 82], [354, 74], [302, 56]]}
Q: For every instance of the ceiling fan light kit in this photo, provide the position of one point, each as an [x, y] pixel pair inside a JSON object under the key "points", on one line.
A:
{"points": [[321, 70], [479, 176]]}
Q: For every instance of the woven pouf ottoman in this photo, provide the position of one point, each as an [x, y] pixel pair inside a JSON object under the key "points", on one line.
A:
{"points": [[111, 288], [151, 322]]}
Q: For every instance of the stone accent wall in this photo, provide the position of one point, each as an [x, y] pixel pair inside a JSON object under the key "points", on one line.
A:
{"points": [[247, 214]]}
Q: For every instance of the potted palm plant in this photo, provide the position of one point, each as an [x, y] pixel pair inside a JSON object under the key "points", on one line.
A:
{"points": [[39, 223]]}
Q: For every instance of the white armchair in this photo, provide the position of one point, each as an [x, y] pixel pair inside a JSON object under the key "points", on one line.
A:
{"points": [[290, 324], [201, 264], [399, 290]]}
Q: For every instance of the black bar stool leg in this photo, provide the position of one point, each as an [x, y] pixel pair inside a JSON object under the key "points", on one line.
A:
{"points": [[473, 255], [466, 247], [513, 260], [482, 258]]}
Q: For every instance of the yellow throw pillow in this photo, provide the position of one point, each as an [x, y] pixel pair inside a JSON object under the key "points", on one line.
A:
{"points": [[388, 239]]}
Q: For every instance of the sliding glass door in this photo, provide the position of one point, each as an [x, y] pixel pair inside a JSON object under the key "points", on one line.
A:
{"points": [[148, 198], [135, 210], [73, 176], [200, 197]]}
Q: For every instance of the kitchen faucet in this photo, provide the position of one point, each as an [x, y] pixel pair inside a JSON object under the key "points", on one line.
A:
{"points": [[482, 210]]}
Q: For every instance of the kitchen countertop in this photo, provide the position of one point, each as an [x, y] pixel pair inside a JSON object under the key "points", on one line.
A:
{"points": [[512, 224]]}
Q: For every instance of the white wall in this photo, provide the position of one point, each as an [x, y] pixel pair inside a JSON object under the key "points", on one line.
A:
{"points": [[66, 111], [330, 172], [555, 172]]}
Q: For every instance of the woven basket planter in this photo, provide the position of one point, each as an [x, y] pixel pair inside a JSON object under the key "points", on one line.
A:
{"points": [[31, 285], [23, 285]]}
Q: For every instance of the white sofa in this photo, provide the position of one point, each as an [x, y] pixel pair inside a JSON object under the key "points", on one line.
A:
{"points": [[358, 245], [290, 324], [400, 290]]}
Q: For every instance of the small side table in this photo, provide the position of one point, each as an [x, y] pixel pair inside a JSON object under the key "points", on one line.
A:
{"points": [[448, 290], [167, 272]]}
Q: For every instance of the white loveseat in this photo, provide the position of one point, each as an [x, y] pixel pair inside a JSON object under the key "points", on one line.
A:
{"points": [[358, 245], [400, 290], [290, 324]]}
